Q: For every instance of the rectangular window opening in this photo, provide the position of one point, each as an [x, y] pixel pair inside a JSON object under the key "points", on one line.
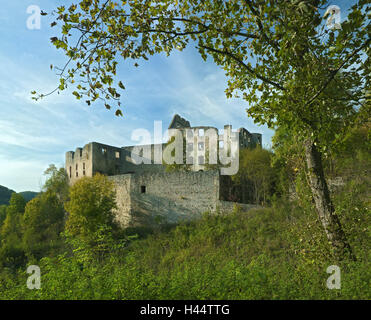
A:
{"points": [[143, 189]]}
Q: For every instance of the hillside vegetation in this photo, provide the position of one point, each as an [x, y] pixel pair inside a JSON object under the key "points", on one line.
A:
{"points": [[274, 253], [29, 195]]}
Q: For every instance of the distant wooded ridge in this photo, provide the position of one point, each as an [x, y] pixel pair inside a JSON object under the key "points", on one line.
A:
{"points": [[6, 193]]}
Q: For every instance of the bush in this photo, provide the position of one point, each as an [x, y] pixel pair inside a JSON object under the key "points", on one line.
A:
{"points": [[90, 206]]}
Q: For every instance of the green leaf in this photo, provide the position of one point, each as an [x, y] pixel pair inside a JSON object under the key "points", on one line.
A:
{"points": [[118, 113], [121, 85]]}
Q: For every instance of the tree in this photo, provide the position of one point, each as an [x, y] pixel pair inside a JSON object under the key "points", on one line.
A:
{"points": [[279, 56], [43, 222], [90, 207], [11, 251], [57, 182], [352, 155], [256, 171], [2, 214]]}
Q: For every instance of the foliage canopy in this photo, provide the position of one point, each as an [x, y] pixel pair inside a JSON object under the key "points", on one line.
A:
{"points": [[280, 57]]}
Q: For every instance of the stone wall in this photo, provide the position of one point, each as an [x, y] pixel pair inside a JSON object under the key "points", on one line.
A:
{"points": [[101, 158], [148, 198], [79, 163], [107, 159], [123, 214]]}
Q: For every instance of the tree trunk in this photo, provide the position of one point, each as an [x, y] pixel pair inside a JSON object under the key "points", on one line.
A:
{"points": [[324, 206]]}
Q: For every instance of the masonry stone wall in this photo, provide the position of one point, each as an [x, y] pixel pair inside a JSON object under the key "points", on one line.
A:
{"points": [[79, 163], [123, 213], [105, 159], [147, 198]]}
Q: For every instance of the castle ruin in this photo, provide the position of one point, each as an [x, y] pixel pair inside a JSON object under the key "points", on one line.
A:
{"points": [[147, 192]]}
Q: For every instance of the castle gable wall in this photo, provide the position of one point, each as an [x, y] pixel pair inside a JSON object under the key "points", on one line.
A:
{"points": [[79, 163], [170, 196]]}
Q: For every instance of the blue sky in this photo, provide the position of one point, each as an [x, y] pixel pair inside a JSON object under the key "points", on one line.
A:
{"points": [[36, 134]]}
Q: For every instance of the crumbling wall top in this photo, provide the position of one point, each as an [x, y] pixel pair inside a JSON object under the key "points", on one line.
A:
{"points": [[178, 122]]}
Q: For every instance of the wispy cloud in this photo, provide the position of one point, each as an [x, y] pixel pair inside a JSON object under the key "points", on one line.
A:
{"points": [[22, 174], [11, 135]]}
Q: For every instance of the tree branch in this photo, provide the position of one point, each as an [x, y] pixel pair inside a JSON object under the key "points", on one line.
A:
{"points": [[334, 72], [244, 65], [260, 25]]}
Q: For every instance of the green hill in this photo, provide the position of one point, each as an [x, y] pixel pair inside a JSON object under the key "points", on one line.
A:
{"points": [[5, 195], [28, 195]]}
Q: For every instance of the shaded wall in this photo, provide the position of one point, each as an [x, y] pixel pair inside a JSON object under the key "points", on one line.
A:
{"points": [[148, 198]]}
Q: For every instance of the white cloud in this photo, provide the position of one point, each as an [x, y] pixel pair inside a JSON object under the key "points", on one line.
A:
{"points": [[21, 174]]}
